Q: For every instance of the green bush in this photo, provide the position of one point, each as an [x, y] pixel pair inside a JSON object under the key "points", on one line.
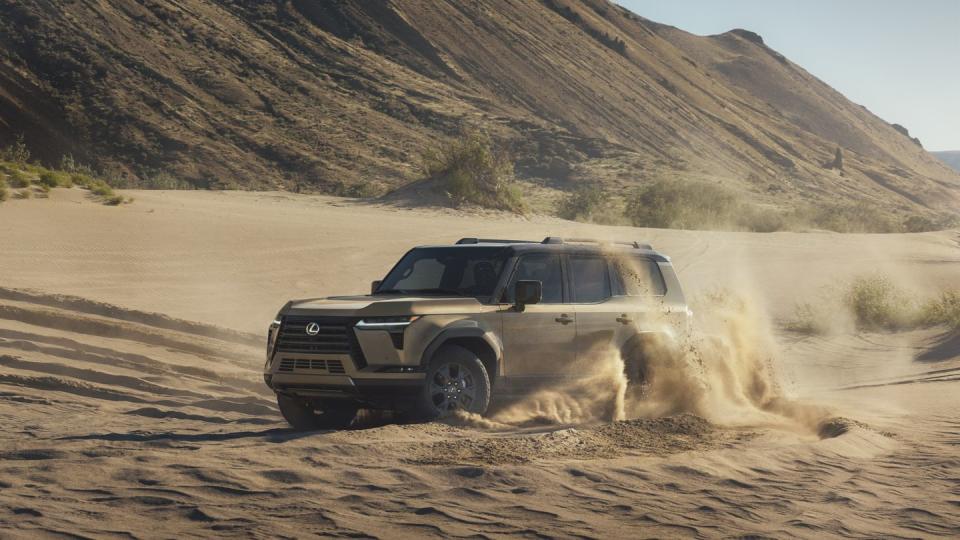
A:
{"points": [[583, 203], [677, 204], [113, 200], [4, 194], [877, 304], [858, 217], [51, 179], [472, 169], [24, 194], [100, 188], [81, 180], [16, 152], [943, 310], [18, 179]]}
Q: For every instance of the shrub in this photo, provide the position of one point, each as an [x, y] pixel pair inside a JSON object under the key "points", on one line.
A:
{"points": [[583, 203], [18, 179], [943, 310], [761, 219], [81, 180], [807, 319], [100, 188], [471, 169], [676, 204], [850, 218], [113, 200], [24, 194], [4, 194], [16, 152], [877, 304], [51, 179]]}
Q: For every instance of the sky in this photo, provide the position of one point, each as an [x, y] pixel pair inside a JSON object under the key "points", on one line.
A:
{"points": [[898, 58]]}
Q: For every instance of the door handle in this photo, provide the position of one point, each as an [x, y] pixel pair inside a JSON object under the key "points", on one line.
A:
{"points": [[564, 319], [623, 319]]}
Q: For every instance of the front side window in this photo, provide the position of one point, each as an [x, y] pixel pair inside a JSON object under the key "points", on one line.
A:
{"points": [[542, 267], [466, 271], [591, 280]]}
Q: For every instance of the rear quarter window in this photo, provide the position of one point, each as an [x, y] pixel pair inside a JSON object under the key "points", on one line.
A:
{"points": [[637, 276]]}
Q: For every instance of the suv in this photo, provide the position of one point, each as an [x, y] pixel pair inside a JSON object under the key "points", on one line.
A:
{"points": [[452, 326]]}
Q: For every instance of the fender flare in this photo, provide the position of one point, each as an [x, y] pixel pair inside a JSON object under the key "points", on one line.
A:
{"points": [[465, 332]]}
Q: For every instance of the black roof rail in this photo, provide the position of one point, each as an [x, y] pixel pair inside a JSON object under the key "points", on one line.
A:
{"points": [[491, 241], [559, 240]]}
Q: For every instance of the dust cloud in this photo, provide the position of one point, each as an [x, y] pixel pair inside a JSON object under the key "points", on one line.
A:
{"points": [[721, 369]]}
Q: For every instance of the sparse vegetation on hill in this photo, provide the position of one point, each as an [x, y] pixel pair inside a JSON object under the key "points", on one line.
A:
{"points": [[341, 97], [28, 178], [473, 169]]}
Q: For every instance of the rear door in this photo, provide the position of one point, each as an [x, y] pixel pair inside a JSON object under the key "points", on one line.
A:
{"points": [[602, 317], [540, 341]]}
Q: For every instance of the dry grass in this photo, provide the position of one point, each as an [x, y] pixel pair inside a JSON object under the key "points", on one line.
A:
{"points": [[944, 310], [28, 177], [873, 302], [687, 204], [876, 303], [586, 203]]}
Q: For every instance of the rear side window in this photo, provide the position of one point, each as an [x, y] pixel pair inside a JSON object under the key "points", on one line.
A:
{"points": [[637, 276], [591, 280], [544, 268]]}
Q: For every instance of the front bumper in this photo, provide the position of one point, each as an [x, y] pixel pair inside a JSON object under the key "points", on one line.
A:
{"points": [[386, 390]]}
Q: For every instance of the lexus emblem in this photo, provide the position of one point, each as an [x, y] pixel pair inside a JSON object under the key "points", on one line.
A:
{"points": [[313, 329]]}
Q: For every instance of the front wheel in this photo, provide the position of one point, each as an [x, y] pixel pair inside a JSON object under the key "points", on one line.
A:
{"points": [[456, 381], [306, 415]]}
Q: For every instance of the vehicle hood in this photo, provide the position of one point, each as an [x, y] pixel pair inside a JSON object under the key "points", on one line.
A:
{"points": [[381, 305]]}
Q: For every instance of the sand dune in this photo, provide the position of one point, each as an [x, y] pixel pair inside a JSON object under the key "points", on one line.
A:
{"points": [[131, 402]]}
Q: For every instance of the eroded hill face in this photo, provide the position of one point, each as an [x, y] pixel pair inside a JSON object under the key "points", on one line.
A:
{"points": [[329, 95]]}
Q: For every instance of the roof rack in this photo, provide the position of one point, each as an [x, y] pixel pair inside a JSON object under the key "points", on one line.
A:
{"points": [[492, 241], [559, 240]]}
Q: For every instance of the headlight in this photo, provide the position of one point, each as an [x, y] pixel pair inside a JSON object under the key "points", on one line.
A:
{"points": [[386, 323], [272, 333]]}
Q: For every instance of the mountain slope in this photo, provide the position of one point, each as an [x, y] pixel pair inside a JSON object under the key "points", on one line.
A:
{"points": [[334, 95], [951, 158]]}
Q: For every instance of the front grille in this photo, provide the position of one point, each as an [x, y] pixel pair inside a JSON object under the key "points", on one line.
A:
{"points": [[289, 365], [336, 336]]}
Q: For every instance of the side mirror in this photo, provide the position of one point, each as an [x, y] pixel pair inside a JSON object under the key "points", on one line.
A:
{"points": [[374, 286], [527, 292]]}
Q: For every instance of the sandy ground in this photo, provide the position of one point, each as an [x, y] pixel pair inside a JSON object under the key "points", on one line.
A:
{"points": [[116, 421]]}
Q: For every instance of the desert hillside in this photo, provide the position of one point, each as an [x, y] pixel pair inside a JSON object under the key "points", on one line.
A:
{"points": [[343, 97]]}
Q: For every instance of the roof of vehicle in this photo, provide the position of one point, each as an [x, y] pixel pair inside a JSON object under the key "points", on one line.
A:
{"points": [[566, 245]]}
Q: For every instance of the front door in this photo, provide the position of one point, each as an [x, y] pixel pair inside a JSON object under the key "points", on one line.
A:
{"points": [[540, 341]]}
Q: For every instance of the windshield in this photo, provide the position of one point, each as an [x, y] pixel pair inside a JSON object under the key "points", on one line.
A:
{"points": [[472, 271]]}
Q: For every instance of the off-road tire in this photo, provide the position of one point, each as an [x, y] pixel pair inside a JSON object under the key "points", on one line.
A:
{"points": [[634, 369], [305, 415], [455, 379]]}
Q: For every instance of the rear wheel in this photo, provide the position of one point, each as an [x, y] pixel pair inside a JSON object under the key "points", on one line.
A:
{"points": [[305, 415], [634, 368], [456, 380]]}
